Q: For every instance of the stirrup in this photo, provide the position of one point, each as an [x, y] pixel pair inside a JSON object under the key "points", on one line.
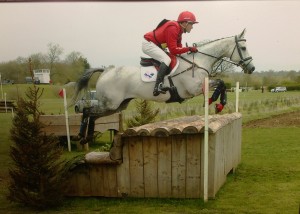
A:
{"points": [[162, 89], [156, 92]]}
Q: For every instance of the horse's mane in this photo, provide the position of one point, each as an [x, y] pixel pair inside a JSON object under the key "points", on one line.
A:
{"points": [[206, 42]]}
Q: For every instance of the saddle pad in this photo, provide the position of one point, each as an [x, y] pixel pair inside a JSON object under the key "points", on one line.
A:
{"points": [[149, 73]]}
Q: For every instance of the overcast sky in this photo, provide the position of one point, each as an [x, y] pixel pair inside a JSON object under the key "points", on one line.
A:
{"points": [[110, 33]]}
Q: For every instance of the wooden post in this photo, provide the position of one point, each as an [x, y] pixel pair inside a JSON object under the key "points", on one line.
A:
{"points": [[237, 88], [67, 119], [5, 103], [1, 86], [205, 159]]}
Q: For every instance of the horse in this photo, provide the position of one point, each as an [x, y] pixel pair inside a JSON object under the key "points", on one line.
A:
{"points": [[116, 87]]}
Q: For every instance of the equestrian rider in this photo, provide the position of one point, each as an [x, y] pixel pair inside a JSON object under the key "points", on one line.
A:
{"points": [[168, 34]]}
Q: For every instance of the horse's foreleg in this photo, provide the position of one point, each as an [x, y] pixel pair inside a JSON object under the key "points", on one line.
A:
{"points": [[220, 90]]}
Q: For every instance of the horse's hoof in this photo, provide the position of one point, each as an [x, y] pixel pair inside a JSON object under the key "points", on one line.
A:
{"points": [[77, 138], [83, 141], [218, 108]]}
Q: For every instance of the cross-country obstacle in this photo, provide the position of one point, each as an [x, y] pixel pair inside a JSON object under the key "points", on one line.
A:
{"points": [[7, 105], [162, 160]]}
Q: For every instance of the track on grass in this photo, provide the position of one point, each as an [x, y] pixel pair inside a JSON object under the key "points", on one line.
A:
{"points": [[291, 119]]}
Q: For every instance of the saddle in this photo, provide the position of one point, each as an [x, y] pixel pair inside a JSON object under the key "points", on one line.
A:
{"points": [[146, 62], [149, 68]]}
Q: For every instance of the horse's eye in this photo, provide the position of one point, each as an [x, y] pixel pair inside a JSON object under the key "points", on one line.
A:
{"points": [[243, 48]]}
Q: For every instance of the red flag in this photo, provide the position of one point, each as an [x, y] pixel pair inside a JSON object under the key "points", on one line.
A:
{"points": [[61, 93]]}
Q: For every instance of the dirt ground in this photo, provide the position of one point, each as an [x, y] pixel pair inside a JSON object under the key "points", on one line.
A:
{"points": [[283, 120]]}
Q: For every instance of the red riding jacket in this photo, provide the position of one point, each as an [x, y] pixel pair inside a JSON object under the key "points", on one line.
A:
{"points": [[168, 35]]}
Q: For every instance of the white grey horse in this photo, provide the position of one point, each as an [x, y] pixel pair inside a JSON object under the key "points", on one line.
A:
{"points": [[116, 87]]}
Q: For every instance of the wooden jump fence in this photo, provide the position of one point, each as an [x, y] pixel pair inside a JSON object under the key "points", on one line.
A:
{"points": [[7, 105], [56, 124], [162, 160]]}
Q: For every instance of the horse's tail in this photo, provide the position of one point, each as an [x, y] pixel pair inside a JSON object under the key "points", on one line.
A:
{"points": [[82, 82]]}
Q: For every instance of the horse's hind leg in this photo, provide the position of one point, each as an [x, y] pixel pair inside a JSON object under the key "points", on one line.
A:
{"points": [[87, 126]]}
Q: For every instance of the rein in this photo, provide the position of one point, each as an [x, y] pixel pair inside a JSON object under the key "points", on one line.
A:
{"points": [[242, 61]]}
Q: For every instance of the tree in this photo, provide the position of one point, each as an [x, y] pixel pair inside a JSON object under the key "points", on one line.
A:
{"points": [[38, 60], [73, 57], [144, 114], [37, 178], [54, 53]]}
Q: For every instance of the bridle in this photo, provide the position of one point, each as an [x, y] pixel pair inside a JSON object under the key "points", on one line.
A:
{"points": [[244, 62]]}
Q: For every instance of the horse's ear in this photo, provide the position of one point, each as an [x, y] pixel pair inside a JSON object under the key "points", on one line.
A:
{"points": [[242, 34]]}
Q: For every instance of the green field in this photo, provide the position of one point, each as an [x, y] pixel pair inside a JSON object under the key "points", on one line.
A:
{"points": [[267, 180]]}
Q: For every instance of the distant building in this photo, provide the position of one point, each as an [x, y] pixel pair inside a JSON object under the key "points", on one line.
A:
{"points": [[43, 75]]}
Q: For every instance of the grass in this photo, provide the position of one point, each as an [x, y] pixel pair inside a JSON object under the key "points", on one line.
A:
{"points": [[267, 180]]}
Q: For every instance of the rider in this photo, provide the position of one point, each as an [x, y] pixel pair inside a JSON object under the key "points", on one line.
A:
{"points": [[168, 34]]}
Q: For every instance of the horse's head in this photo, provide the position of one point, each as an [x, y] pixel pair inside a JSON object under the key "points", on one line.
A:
{"points": [[240, 54]]}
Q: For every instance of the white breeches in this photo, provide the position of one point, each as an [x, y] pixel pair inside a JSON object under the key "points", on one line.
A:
{"points": [[155, 52]]}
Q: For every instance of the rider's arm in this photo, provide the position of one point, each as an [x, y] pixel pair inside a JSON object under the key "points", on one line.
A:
{"points": [[173, 39]]}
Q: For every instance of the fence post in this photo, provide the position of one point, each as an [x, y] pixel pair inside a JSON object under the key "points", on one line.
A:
{"points": [[205, 163], [237, 88], [67, 119]]}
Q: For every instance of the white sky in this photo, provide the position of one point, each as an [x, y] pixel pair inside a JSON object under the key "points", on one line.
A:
{"points": [[110, 33]]}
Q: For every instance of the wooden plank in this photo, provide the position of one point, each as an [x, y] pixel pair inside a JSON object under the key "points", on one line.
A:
{"points": [[164, 170], [136, 167], [61, 130], [97, 181], [150, 166], [72, 185], [110, 181], [56, 124], [102, 127], [212, 164], [193, 166], [123, 171], [83, 181], [228, 148], [75, 119], [178, 166], [60, 120]]}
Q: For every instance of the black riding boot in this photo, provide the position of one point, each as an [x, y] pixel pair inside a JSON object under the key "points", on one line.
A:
{"points": [[159, 85]]}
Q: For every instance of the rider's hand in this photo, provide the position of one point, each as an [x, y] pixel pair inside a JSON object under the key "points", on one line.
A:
{"points": [[193, 49]]}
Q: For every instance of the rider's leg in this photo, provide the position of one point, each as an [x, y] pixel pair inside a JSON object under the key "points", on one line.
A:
{"points": [[159, 87], [157, 53]]}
